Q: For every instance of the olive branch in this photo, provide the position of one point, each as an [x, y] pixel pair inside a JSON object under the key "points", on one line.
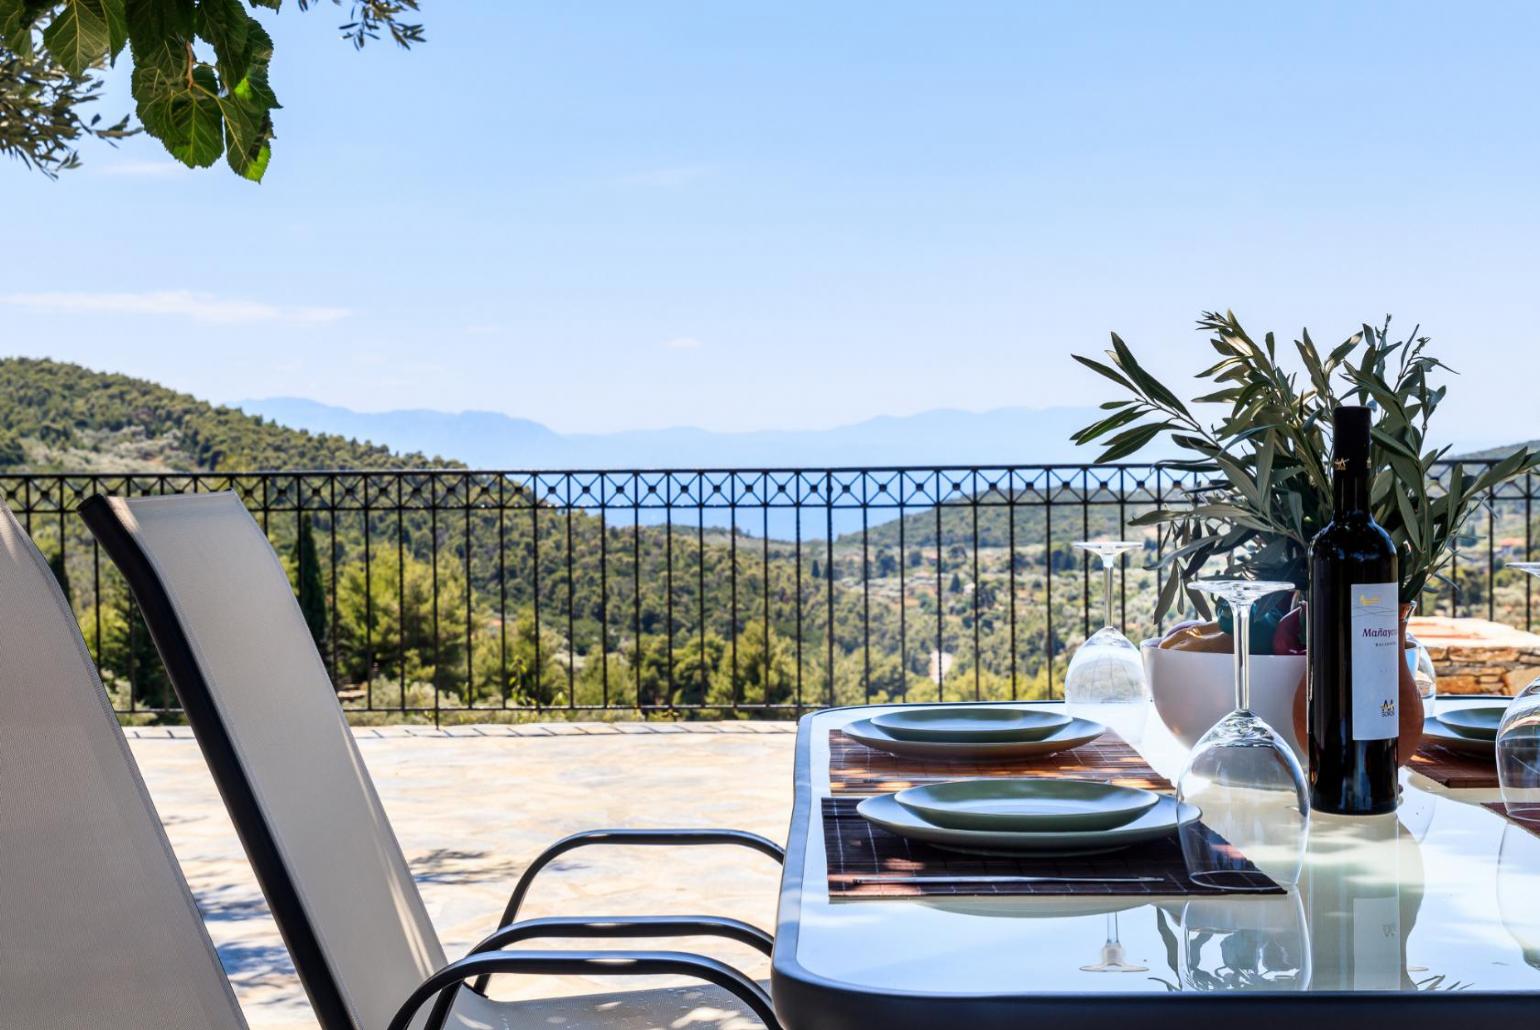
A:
{"points": [[1264, 486]]}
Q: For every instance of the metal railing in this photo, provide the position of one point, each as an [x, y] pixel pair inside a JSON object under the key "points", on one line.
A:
{"points": [[763, 592]]}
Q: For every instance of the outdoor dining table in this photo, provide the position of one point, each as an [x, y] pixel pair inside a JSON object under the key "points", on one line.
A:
{"points": [[1444, 900]]}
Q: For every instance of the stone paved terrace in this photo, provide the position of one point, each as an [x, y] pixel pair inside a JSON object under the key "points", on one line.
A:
{"points": [[472, 805], [1475, 656]]}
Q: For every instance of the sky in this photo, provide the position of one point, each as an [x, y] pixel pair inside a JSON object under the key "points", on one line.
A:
{"points": [[618, 215]]}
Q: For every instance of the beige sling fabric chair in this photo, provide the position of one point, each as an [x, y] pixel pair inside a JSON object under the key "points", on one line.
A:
{"points": [[97, 927], [259, 700]]}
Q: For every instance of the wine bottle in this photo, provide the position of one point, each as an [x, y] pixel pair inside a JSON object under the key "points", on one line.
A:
{"points": [[1353, 639]]}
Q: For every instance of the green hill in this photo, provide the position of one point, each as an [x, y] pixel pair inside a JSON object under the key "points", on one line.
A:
{"points": [[55, 416]]}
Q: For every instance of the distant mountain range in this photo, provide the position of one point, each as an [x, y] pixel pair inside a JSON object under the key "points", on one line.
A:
{"points": [[490, 440], [1496, 453]]}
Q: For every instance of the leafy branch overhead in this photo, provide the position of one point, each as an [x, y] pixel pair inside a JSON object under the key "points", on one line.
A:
{"points": [[1264, 464], [39, 120], [200, 79]]}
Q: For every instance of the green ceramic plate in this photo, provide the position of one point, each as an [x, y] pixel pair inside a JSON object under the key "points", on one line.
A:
{"points": [[1079, 731], [1027, 804], [1478, 723], [970, 722], [884, 811], [1433, 729]]}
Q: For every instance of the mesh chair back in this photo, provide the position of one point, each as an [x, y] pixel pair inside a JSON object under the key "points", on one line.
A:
{"points": [[97, 927], [257, 695]]}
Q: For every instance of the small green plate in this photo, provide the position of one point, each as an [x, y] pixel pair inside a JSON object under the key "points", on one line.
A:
{"points": [[1477, 723], [1079, 731], [1434, 729], [970, 723], [884, 811], [1027, 805]]}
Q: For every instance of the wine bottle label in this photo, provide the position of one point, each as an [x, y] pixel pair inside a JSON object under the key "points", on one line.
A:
{"points": [[1376, 643]]}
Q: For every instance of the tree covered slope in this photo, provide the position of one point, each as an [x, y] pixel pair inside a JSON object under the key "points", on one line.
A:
{"points": [[56, 416]]}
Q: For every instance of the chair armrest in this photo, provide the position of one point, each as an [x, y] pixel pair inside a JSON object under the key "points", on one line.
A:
{"points": [[627, 927], [629, 838], [580, 963]]}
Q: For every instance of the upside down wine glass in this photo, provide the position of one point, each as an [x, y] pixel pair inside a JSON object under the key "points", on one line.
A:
{"points": [[1243, 777], [1518, 744], [1105, 680]]}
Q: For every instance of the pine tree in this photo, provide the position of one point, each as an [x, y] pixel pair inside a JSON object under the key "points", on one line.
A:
{"points": [[140, 659], [60, 573], [308, 586]]}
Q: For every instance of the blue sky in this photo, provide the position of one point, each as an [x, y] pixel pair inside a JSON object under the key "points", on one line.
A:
{"points": [[769, 215]]}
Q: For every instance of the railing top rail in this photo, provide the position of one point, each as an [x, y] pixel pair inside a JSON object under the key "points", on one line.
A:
{"points": [[1164, 465]]}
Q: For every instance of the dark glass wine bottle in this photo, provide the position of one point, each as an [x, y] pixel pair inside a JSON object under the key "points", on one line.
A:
{"points": [[1353, 639]]}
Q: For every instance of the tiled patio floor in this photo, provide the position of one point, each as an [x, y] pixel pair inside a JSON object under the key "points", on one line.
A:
{"points": [[472, 805]]}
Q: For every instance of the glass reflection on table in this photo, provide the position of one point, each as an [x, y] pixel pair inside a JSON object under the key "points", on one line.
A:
{"points": [[1244, 944], [1362, 890], [1518, 890], [1113, 957]]}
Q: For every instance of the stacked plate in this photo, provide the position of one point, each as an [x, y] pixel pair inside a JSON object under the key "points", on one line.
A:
{"points": [[972, 732], [1014, 816], [1466, 729]]}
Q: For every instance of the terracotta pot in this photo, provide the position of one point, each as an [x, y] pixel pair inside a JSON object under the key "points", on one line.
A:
{"points": [[1409, 703]]}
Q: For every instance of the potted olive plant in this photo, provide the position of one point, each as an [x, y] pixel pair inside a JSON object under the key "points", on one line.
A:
{"points": [[1264, 478]]}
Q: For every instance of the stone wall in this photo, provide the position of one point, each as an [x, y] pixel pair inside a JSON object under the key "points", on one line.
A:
{"points": [[1474, 656]]}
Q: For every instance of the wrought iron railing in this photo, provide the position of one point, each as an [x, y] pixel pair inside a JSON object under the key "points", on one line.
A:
{"points": [[763, 592]]}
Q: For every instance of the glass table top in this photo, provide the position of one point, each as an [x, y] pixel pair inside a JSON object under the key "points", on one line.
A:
{"points": [[1443, 895]]}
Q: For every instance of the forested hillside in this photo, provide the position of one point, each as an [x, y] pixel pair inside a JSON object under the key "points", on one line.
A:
{"points": [[56, 416]]}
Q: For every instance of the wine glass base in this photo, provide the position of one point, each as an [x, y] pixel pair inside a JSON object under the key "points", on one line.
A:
{"points": [[1229, 880], [1114, 961]]}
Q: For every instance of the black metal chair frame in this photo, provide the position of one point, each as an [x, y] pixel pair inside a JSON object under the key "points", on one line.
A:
{"points": [[588, 963], [631, 838], [488, 958]]}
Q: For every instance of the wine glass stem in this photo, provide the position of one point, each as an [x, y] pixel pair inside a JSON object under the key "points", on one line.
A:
{"points": [[1107, 586], [1242, 613]]}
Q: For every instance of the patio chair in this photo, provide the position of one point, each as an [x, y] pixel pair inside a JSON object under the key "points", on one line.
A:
{"points": [[97, 926], [256, 693]]}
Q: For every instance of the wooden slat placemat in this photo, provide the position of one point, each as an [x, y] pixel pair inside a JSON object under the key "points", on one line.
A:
{"points": [[855, 769], [855, 849], [1528, 817], [1451, 768]]}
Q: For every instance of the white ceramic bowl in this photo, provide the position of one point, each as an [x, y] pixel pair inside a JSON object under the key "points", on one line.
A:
{"points": [[1193, 690]]}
